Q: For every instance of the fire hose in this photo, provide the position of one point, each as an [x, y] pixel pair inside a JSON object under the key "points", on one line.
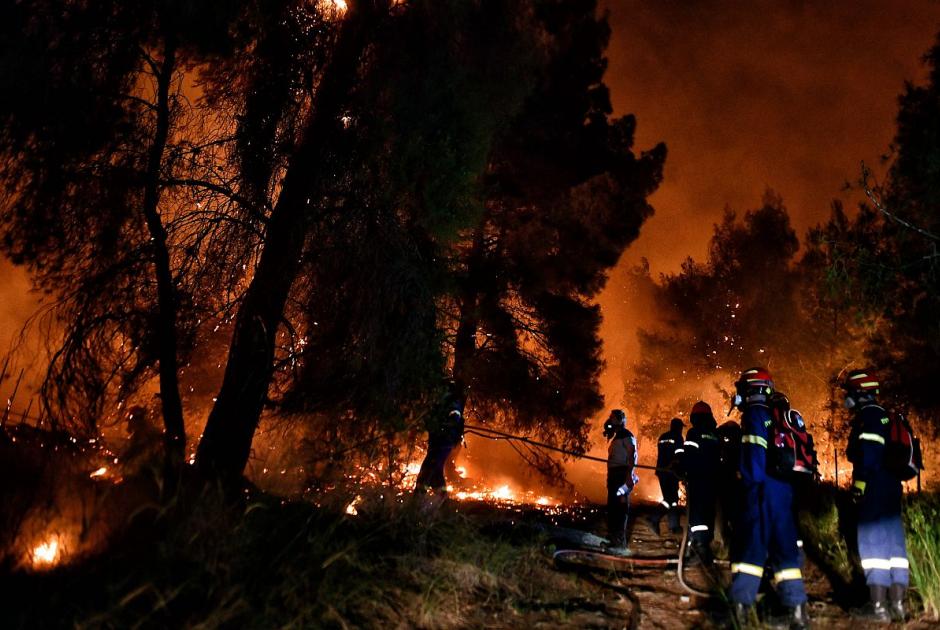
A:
{"points": [[493, 434]]}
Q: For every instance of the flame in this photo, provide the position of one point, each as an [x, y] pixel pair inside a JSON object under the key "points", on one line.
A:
{"points": [[351, 508], [504, 493], [101, 472], [46, 553], [333, 9]]}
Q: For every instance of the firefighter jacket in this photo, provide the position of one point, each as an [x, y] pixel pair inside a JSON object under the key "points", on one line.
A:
{"points": [[756, 427], [866, 448], [668, 447], [622, 452], [702, 449], [446, 424]]}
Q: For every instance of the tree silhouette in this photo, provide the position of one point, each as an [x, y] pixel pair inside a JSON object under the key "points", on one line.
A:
{"points": [[106, 165], [882, 266], [565, 195]]}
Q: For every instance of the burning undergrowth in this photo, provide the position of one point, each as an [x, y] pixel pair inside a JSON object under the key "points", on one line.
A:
{"points": [[62, 498], [287, 461], [384, 557]]}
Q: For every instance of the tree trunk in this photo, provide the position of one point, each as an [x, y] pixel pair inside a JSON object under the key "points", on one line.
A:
{"points": [[171, 403], [226, 443], [465, 343]]}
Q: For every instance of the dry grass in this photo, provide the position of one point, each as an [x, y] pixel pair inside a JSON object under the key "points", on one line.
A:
{"points": [[267, 563], [921, 518]]}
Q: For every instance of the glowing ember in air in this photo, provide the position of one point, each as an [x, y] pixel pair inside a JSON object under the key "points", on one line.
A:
{"points": [[101, 472], [46, 553]]}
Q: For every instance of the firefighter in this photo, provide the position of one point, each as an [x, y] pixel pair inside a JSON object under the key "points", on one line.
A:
{"points": [[779, 404], [729, 480], [668, 447], [766, 525], [621, 479], [700, 464], [877, 492], [445, 433]]}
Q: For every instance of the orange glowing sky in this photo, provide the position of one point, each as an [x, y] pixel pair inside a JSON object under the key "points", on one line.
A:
{"points": [[749, 94]]}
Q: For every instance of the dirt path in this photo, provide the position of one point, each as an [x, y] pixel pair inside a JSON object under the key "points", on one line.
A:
{"points": [[653, 598]]}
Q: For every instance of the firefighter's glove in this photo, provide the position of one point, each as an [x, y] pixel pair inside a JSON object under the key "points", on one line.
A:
{"points": [[623, 490], [858, 491]]}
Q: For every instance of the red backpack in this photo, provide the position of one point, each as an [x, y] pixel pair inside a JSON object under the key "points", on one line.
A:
{"points": [[903, 458], [792, 453]]}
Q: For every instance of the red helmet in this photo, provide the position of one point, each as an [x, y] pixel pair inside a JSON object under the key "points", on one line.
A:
{"points": [[701, 407], [861, 381], [754, 378]]}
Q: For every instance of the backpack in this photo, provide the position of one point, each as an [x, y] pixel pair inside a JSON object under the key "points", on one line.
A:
{"points": [[792, 453], [903, 458]]}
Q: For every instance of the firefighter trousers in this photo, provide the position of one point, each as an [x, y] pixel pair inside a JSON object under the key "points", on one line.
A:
{"points": [[767, 531], [702, 499], [618, 507], [881, 545], [669, 486]]}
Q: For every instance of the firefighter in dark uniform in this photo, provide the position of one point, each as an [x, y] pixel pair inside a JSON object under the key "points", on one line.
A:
{"points": [[669, 445], [621, 479], [729, 480], [700, 464], [445, 433], [766, 529], [878, 493]]}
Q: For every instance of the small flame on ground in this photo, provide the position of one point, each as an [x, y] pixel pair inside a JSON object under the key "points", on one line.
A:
{"points": [[351, 508], [46, 553]]}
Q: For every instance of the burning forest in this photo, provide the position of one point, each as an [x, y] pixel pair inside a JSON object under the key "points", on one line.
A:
{"points": [[367, 314]]}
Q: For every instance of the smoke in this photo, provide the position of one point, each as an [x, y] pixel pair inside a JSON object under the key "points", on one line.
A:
{"points": [[17, 304], [755, 94]]}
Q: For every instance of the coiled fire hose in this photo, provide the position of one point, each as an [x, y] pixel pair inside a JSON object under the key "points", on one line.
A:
{"points": [[493, 434]]}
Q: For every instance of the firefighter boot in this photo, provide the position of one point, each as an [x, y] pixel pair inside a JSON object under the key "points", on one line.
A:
{"points": [[875, 610], [744, 616], [799, 617], [896, 603], [795, 618]]}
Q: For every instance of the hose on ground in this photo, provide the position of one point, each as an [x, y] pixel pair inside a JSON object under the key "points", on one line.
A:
{"points": [[680, 569]]}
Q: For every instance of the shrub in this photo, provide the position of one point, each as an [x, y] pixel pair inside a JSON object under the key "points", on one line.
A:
{"points": [[921, 515]]}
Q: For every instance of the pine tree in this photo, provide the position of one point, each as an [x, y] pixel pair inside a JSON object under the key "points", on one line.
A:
{"points": [[565, 195]]}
